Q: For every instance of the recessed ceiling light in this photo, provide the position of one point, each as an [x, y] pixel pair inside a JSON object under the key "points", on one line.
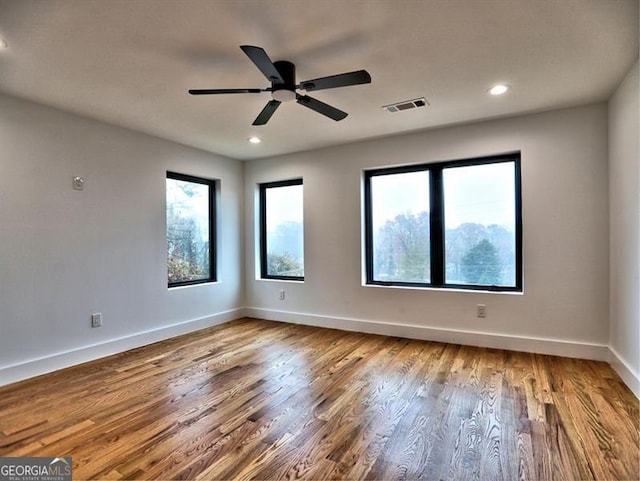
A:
{"points": [[3, 43], [498, 89], [254, 140]]}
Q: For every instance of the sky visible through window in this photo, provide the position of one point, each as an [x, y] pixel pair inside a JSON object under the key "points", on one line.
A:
{"points": [[284, 206], [482, 194], [400, 207], [478, 228], [479, 194], [397, 194], [480, 216], [188, 231], [190, 199], [285, 231]]}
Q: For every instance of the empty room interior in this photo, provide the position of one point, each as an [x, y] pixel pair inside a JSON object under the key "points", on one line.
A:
{"points": [[360, 239]]}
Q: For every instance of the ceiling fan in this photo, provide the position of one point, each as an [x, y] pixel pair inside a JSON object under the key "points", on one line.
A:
{"points": [[282, 75]]}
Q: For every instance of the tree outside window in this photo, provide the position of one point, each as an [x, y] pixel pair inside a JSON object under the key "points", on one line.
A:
{"points": [[190, 230], [282, 230], [450, 224]]}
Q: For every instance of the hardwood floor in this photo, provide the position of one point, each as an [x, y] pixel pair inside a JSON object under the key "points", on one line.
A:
{"points": [[264, 400]]}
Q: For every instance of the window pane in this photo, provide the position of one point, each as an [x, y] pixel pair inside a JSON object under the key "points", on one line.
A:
{"points": [[188, 254], [480, 225], [285, 236], [400, 227]]}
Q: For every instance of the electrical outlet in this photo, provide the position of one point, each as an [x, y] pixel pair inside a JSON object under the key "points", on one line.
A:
{"points": [[481, 311], [282, 294], [96, 320]]}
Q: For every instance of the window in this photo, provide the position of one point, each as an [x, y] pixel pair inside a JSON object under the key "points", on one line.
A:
{"points": [[401, 233], [281, 230], [451, 224], [190, 230]]}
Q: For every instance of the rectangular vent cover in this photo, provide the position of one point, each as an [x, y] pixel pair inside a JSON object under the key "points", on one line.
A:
{"points": [[406, 105]]}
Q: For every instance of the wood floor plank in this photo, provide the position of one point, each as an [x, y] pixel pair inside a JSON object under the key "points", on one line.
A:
{"points": [[264, 400]]}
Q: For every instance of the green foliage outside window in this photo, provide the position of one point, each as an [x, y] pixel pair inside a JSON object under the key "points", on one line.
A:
{"points": [[188, 230]]}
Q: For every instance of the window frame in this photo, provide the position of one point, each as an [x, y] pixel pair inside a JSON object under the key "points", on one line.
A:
{"points": [[263, 227], [436, 222], [213, 268]]}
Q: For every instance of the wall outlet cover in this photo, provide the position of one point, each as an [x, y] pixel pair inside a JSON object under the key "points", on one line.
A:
{"points": [[96, 320]]}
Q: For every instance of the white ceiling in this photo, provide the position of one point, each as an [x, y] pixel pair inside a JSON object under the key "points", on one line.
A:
{"points": [[131, 62]]}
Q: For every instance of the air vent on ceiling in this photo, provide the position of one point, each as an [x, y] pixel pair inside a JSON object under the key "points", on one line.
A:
{"points": [[406, 105]]}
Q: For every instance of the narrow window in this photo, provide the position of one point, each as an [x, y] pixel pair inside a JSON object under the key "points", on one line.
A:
{"points": [[449, 224], [282, 230], [190, 230]]}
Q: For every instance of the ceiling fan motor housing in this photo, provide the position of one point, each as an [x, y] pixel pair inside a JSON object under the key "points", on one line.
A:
{"points": [[284, 92]]}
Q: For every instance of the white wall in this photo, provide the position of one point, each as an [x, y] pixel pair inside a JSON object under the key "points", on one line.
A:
{"points": [[564, 307], [65, 254], [624, 214]]}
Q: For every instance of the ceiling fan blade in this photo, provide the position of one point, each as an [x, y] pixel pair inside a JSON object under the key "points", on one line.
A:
{"points": [[341, 80], [225, 91], [260, 58], [321, 107], [268, 110]]}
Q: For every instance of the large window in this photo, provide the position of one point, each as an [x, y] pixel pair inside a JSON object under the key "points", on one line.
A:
{"points": [[190, 230], [451, 224], [281, 230]]}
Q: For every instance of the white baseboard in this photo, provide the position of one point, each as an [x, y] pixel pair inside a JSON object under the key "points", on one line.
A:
{"points": [[599, 352], [35, 367], [626, 372], [581, 350]]}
